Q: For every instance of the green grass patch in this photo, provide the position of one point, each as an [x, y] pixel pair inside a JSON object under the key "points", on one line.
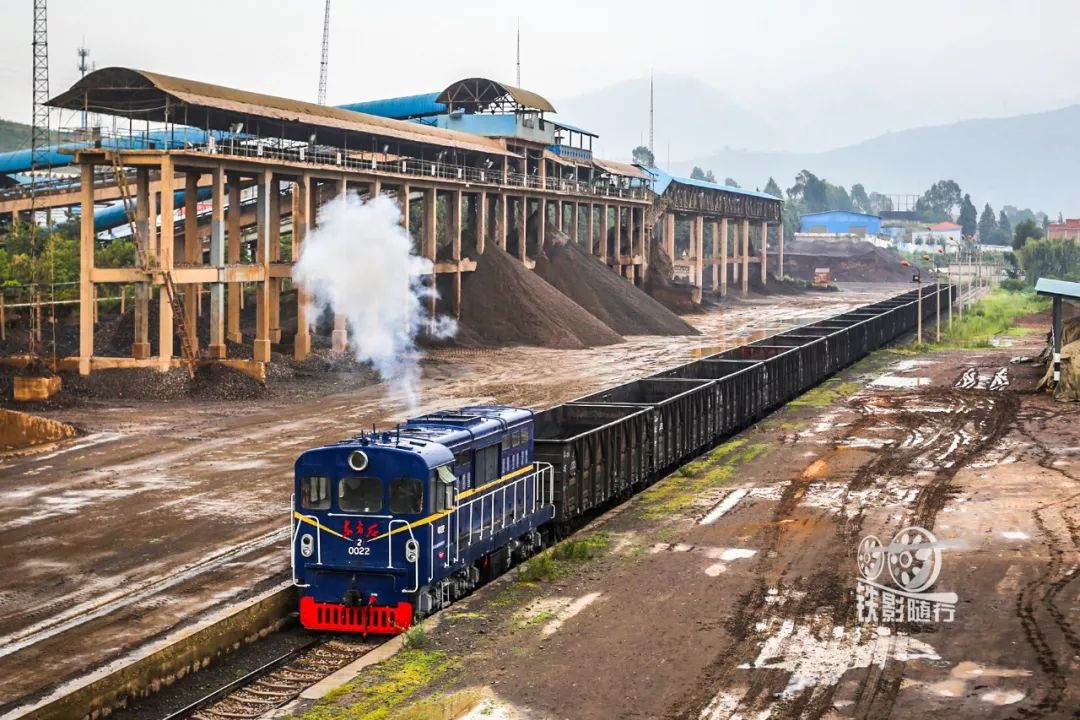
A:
{"points": [[684, 486], [827, 393], [382, 688], [555, 562], [994, 315]]}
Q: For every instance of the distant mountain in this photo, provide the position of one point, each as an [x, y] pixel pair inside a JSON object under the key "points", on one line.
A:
{"points": [[1026, 160], [693, 116]]}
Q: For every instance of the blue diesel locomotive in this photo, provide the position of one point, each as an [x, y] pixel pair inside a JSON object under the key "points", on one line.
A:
{"points": [[391, 525]]}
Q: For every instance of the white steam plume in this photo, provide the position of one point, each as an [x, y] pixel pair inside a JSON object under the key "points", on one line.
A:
{"points": [[358, 262]]}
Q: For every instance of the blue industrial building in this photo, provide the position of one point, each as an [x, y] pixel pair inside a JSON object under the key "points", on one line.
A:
{"points": [[840, 222]]}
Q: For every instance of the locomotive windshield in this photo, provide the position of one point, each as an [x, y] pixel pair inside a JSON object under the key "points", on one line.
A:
{"points": [[360, 494]]}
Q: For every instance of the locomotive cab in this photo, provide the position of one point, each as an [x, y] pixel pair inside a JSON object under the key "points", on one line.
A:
{"points": [[385, 526]]}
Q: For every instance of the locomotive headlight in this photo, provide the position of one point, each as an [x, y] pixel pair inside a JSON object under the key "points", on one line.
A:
{"points": [[307, 545], [358, 460], [412, 550]]}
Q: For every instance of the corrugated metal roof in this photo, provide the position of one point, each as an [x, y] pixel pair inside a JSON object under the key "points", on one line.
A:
{"points": [[664, 180], [1063, 288], [832, 212], [126, 91], [567, 126], [400, 108], [484, 91], [620, 168]]}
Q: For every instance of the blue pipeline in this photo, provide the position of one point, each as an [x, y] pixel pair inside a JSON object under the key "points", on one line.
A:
{"points": [[59, 155], [115, 215]]}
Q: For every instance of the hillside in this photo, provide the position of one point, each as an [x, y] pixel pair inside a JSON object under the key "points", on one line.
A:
{"points": [[1026, 160], [696, 117], [16, 136]]}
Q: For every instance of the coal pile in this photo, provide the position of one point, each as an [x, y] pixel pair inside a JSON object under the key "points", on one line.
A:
{"points": [[588, 282], [503, 303], [847, 260]]}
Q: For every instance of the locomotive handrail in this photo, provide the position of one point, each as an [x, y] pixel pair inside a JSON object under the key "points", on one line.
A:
{"points": [[296, 533], [543, 479]]}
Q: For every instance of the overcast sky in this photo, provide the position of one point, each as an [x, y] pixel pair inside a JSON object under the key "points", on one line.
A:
{"points": [[903, 63]]}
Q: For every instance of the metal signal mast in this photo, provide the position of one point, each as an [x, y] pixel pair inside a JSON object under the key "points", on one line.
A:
{"points": [[325, 54], [83, 66], [39, 136]]}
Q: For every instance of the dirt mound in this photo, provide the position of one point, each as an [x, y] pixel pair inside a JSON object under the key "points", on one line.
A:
{"points": [[848, 260], [592, 285], [503, 303], [676, 297]]}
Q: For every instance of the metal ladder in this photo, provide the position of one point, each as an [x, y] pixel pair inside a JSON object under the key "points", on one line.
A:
{"points": [[167, 285]]}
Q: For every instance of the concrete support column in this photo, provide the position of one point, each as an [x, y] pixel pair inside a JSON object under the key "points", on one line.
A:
{"points": [[522, 234], [541, 222], [86, 269], [619, 257], [217, 259], [481, 223], [745, 275], [232, 257], [723, 256], [165, 261], [764, 252], [301, 214], [780, 238], [604, 233], [736, 244], [431, 238], [274, 304], [669, 235], [339, 337], [575, 232], [559, 215], [591, 233], [714, 274], [501, 201], [140, 348], [403, 201], [699, 250], [455, 247], [263, 220], [192, 256], [630, 233]]}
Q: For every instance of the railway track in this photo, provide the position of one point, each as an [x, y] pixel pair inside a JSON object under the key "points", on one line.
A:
{"points": [[277, 682]]}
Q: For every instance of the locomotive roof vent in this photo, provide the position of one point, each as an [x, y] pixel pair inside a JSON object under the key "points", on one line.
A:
{"points": [[358, 460]]}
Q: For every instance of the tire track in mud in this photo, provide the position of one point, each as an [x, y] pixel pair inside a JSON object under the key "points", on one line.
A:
{"points": [[962, 426], [1042, 591]]}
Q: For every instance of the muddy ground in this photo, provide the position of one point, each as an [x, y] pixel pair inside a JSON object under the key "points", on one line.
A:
{"points": [[162, 511], [728, 589]]}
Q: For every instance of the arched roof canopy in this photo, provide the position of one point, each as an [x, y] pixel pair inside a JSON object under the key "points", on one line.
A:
{"points": [[143, 95], [478, 95]]}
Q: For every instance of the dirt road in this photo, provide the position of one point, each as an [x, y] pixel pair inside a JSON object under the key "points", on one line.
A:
{"points": [[162, 512], [728, 590]]}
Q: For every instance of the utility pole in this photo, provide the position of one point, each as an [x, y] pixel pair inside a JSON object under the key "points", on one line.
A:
{"points": [[325, 61]]}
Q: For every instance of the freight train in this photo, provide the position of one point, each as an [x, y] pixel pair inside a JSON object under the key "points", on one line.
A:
{"points": [[391, 526]]}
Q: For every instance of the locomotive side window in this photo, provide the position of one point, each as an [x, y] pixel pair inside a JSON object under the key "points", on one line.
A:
{"points": [[406, 496], [442, 488], [315, 493], [487, 465], [360, 494]]}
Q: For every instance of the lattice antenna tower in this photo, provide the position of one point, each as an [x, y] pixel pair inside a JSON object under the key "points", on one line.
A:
{"points": [[83, 67], [39, 143], [651, 107], [325, 61], [518, 81]]}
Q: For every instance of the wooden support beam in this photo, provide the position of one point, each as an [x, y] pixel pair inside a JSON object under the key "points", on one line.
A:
{"points": [[217, 260], [263, 221], [745, 273], [86, 267], [724, 239], [301, 208], [234, 302], [165, 262], [192, 256]]}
